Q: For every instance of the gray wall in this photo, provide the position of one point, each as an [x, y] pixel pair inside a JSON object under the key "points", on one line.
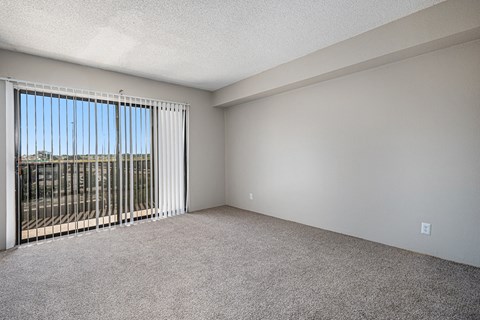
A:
{"points": [[3, 168], [7, 166], [206, 123], [372, 154]]}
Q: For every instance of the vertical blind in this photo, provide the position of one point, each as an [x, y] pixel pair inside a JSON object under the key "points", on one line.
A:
{"points": [[88, 160]]}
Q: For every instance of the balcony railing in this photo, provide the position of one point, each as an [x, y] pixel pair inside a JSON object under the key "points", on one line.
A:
{"points": [[60, 196]]}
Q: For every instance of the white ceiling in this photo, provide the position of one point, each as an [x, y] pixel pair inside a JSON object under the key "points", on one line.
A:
{"points": [[206, 44]]}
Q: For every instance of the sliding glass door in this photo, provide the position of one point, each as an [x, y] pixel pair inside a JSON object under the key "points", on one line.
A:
{"points": [[91, 162]]}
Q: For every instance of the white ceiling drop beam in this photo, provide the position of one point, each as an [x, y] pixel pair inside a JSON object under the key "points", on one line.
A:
{"points": [[443, 25]]}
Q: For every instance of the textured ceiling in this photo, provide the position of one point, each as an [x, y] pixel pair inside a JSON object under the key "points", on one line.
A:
{"points": [[205, 44]]}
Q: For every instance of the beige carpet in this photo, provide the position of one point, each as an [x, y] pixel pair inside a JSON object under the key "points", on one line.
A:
{"points": [[226, 263]]}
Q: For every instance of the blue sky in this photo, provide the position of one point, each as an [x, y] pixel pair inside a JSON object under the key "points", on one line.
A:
{"points": [[44, 117]]}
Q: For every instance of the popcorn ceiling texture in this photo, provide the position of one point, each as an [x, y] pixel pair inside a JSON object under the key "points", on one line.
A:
{"points": [[206, 44]]}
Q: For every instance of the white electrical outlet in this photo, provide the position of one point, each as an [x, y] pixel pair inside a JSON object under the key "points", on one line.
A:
{"points": [[426, 228], [251, 196]]}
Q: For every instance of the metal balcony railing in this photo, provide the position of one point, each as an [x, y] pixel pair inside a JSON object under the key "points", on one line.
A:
{"points": [[59, 197]]}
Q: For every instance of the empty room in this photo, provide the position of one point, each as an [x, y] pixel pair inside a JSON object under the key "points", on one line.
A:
{"points": [[240, 159]]}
